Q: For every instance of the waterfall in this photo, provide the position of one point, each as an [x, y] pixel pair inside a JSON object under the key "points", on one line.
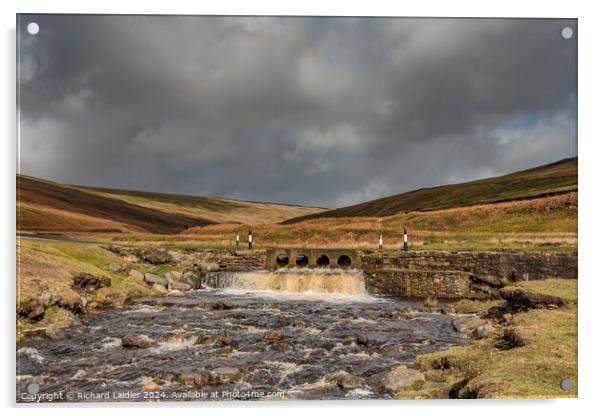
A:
{"points": [[333, 281]]}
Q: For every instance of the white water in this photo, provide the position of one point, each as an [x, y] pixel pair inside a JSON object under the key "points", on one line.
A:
{"points": [[296, 284]]}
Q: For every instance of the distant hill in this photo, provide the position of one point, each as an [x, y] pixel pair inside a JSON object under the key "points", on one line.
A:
{"points": [[48, 206], [552, 179]]}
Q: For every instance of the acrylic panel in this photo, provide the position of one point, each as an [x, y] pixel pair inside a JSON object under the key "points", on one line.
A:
{"points": [[231, 208]]}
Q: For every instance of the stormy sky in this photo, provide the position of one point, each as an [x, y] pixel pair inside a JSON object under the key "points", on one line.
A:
{"points": [[315, 111]]}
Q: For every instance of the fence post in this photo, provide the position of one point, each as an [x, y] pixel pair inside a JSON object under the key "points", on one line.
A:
{"points": [[405, 239], [237, 239], [380, 241], [250, 240]]}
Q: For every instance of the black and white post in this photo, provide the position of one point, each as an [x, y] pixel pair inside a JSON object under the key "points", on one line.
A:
{"points": [[380, 241], [250, 240], [237, 239], [405, 239]]}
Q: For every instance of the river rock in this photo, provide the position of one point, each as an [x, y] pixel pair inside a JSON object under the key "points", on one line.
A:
{"points": [[49, 299], [55, 333], [208, 267], [467, 324], [510, 339], [151, 386], [159, 289], [153, 278], [136, 341], [484, 331], [173, 275], [86, 282], [276, 335], [523, 299], [174, 293], [225, 375], [220, 305], [37, 312], [116, 268], [487, 280], [431, 302], [344, 380], [174, 281], [154, 256], [139, 276], [191, 279], [393, 380], [507, 317], [197, 378]]}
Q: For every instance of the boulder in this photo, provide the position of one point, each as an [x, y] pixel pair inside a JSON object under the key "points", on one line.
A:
{"points": [[154, 256], [151, 386], [55, 333], [86, 282], [116, 268], [158, 289], [487, 280], [224, 375], [174, 293], [139, 276], [208, 267], [483, 331], [467, 324], [173, 276], [510, 339], [179, 286], [174, 281], [344, 380], [36, 312], [430, 302], [273, 336], [153, 278], [136, 341], [220, 305], [191, 279], [523, 299], [393, 380], [197, 378]]}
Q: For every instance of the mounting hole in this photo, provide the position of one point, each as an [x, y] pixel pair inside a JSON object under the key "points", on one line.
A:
{"points": [[566, 384], [33, 28], [566, 32]]}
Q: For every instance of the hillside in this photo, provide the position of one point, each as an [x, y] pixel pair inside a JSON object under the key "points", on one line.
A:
{"points": [[53, 207], [552, 179]]}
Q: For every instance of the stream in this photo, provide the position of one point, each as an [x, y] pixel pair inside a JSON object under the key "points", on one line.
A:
{"points": [[278, 337]]}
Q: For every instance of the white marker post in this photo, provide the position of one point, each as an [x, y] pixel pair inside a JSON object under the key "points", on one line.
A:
{"points": [[250, 240], [405, 239], [380, 242], [237, 239]]}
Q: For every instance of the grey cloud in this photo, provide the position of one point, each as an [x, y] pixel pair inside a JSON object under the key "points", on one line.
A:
{"points": [[321, 111]]}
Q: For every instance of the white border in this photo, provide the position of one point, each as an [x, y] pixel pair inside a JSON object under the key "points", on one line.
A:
{"points": [[589, 198]]}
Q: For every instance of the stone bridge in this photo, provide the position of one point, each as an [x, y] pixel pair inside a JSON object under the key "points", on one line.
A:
{"points": [[313, 258]]}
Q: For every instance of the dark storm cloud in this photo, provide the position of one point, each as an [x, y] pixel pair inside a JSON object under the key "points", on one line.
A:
{"points": [[302, 110]]}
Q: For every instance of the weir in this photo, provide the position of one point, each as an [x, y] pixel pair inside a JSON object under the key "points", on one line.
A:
{"points": [[292, 280], [322, 258]]}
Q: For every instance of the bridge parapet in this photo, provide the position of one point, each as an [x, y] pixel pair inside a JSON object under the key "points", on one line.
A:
{"points": [[313, 258]]}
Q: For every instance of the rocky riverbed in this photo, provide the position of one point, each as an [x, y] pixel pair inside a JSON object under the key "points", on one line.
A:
{"points": [[216, 344]]}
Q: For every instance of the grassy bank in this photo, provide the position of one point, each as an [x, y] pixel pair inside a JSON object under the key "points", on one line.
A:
{"points": [[533, 370], [45, 270]]}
